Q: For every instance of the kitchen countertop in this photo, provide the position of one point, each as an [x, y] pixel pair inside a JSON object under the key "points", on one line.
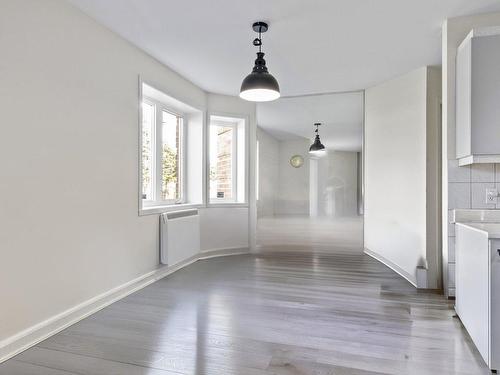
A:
{"points": [[491, 229], [475, 216]]}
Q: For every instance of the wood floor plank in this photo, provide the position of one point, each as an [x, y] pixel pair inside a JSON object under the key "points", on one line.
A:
{"points": [[80, 364], [14, 367]]}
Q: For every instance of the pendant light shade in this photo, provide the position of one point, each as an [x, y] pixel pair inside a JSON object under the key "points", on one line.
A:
{"points": [[317, 148], [260, 85]]}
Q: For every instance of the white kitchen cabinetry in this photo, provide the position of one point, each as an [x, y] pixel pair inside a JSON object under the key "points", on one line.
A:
{"points": [[478, 97], [478, 286]]}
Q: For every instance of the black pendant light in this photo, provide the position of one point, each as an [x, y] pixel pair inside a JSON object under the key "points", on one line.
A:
{"points": [[260, 85], [317, 148]]}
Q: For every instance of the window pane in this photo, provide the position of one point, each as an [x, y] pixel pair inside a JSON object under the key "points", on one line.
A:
{"points": [[148, 120], [170, 176], [221, 162]]}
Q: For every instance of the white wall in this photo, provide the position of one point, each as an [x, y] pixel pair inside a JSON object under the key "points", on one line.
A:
{"points": [[69, 220], [396, 173], [293, 187], [335, 184], [268, 172], [433, 179], [224, 228], [466, 186]]}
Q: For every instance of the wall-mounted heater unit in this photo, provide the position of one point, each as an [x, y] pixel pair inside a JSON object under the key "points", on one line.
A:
{"points": [[179, 236]]}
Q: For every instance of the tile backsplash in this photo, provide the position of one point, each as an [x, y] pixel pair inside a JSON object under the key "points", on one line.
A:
{"points": [[467, 189], [467, 185], [482, 172]]}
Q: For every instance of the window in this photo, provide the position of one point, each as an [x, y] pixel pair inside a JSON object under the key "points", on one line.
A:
{"points": [[171, 161], [162, 154], [227, 160]]}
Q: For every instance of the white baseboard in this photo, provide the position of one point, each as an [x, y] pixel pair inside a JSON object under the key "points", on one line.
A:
{"points": [[29, 337], [422, 277], [393, 266], [207, 254]]}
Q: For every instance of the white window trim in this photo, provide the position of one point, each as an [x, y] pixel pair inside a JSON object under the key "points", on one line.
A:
{"points": [[153, 210], [158, 206], [214, 203], [257, 170]]}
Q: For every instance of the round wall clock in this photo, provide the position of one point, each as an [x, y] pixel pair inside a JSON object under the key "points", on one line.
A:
{"points": [[296, 161]]}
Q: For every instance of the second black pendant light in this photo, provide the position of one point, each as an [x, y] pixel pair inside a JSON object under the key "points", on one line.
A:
{"points": [[317, 148]]}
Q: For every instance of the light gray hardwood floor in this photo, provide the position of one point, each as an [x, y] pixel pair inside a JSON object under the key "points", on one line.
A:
{"points": [[271, 313]]}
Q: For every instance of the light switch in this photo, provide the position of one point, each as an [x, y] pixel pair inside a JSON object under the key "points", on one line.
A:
{"points": [[491, 196]]}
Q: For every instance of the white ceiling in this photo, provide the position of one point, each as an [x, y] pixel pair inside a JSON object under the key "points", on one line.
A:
{"points": [[341, 116], [312, 46], [320, 46]]}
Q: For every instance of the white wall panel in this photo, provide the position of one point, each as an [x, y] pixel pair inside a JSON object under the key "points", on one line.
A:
{"points": [[395, 170], [293, 188], [269, 173], [224, 228], [337, 177]]}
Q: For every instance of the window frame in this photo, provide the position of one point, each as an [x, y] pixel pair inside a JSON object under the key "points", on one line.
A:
{"points": [[220, 202], [257, 170], [159, 108]]}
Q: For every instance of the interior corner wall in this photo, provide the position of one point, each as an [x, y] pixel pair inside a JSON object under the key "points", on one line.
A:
{"points": [[268, 173], [460, 188], [395, 172], [293, 186]]}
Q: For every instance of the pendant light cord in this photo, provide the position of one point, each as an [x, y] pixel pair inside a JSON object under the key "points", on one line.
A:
{"points": [[257, 42], [260, 38]]}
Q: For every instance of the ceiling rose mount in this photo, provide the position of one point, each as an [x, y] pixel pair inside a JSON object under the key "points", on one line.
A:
{"points": [[260, 27], [260, 85]]}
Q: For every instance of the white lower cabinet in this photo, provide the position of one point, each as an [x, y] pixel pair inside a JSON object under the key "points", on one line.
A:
{"points": [[477, 283], [495, 304]]}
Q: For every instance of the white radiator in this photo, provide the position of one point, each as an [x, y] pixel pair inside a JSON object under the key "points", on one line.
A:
{"points": [[179, 236]]}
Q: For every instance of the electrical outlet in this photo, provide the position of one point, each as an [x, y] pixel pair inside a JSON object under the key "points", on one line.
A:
{"points": [[491, 196]]}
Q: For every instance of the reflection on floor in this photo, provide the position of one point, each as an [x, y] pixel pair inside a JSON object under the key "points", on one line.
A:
{"points": [[302, 233], [266, 314]]}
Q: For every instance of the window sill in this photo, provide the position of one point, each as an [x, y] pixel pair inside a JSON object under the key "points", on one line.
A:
{"points": [[155, 210], [227, 205]]}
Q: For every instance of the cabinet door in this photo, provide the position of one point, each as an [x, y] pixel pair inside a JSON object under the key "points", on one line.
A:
{"points": [[495, 304], [472, 285], [463, 100], [485, 95]]}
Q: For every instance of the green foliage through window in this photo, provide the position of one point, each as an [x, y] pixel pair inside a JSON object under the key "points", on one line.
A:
{"points": [[170, 169]]}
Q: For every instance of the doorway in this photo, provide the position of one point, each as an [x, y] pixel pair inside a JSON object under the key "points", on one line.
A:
{"points": [[305, 202]]}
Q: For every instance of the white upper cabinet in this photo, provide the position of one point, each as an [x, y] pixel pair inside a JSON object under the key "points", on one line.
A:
{"points": [[478, 97]]}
